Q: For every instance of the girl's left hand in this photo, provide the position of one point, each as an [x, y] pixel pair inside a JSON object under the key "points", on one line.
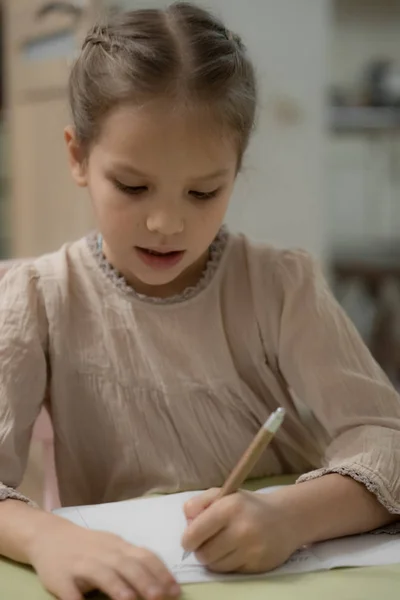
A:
{"points": [[243, 533]]}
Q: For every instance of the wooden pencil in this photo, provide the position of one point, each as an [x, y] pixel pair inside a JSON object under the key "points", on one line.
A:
{"points": [[250, 458]]}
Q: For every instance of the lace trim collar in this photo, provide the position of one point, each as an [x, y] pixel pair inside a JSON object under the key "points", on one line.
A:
{"points": [[217, 248]]}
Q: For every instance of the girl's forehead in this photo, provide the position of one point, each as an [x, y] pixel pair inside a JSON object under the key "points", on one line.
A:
{"points": [[153, 133], [163, 116]]}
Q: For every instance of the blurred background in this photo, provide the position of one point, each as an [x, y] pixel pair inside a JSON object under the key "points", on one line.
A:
{"points": [[323, 169]]}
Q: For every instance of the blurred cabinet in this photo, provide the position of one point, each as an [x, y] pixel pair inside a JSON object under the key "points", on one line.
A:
{"points": [[363, 178], [46, 208]]}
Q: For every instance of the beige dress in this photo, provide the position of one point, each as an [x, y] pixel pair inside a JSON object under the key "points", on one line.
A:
{"points": [[149, 395]]}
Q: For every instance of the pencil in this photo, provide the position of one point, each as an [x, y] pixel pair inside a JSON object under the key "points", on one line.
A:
{"points": [[250, 458]]}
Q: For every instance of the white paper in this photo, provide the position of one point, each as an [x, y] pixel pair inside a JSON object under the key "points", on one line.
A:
{"points": [[158, 524]]}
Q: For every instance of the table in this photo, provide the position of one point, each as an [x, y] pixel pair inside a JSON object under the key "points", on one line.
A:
{"points": [[18, 582]]}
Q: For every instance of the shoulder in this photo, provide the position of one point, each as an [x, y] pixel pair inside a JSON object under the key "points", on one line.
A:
{"points": [[22, 311], [263, 281], [18, 281], [49, 276], [268, 265], [71, 261]]}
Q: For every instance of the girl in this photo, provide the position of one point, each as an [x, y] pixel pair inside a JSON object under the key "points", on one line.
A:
{"points": [[165, 341]]}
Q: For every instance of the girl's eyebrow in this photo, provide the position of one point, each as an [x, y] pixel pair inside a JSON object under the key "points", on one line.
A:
{"points": [[213, 175], [130, 169]]}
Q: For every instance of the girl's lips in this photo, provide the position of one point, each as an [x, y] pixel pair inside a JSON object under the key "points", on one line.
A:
{"points": [[156, 260]]}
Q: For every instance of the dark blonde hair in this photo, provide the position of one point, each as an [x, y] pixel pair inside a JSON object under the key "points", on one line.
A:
{"points": [[182, 52]]}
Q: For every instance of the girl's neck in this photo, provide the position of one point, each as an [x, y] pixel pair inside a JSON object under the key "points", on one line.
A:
{"points": [[189, 278], [186, 285]]}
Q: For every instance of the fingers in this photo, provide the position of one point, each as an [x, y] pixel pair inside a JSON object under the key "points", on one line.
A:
{"points": [[67, 590], [130, 573], [217, 548], [150, 577], [90, 560], [232, 563], [197, 504], [155, 566], [207, 524], [142, 580], [109, 582]]}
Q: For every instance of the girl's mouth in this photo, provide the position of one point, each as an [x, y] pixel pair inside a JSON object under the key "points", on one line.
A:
{"points": [[159, 260]]}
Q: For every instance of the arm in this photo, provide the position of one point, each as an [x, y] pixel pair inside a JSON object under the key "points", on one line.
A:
{"points": [[357, 489], [257, 532], [325, 362], [72, 560], [23, 372], [330, 507], [69, 560], [23, 375]]}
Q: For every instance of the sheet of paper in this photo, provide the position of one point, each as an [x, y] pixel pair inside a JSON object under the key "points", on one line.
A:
{"points": [[359, 551], [302, 561], [158, 524]]}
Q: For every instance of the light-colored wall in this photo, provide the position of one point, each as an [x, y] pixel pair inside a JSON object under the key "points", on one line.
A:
{"points": [[280, 195]]}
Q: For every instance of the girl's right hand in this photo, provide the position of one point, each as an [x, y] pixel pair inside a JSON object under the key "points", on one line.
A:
{"points": [[71, 561]]}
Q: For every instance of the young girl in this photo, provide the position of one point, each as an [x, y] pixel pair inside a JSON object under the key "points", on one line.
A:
{"points": [[164, 341]]}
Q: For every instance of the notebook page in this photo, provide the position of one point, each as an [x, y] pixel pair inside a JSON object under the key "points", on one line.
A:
{"points": [[153, 523], [360, 550], [158, 524]]}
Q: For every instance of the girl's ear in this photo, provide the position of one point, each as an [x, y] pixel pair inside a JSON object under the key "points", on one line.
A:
{"points": [[76, 159]]}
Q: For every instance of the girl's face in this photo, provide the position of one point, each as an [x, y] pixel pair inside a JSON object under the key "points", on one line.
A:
{"points": [[160, 180]]}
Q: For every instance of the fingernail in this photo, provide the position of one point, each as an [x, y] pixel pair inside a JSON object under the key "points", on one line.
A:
{"points": [[175, 590], [154, 593]]}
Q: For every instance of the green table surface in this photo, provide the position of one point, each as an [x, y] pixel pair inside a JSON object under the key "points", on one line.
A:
{"points": [[21, 583]]}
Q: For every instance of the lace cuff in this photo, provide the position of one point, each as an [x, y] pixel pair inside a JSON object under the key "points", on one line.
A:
{"points": [[371, 481], [8, 493]]}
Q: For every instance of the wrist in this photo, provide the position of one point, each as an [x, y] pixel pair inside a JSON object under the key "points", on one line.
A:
{"points": [[298, 518], [288, 517], [40, 526]]}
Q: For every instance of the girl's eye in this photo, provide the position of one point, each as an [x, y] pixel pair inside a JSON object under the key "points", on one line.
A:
{"points": [[132, 190], [203, 195]]}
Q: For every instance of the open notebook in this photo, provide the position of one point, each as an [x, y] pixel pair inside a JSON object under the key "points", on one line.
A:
{"points": [[158, 524]]}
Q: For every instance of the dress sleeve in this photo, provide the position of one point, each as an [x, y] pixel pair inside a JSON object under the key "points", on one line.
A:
{"points": [[324, 360], [23, 372]]}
